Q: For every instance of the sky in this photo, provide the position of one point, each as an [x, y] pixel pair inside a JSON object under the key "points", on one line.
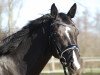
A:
{"points": [[32, 9]]}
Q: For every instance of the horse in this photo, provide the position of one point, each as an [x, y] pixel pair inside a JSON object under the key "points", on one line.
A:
{"points": [[27, 51]]}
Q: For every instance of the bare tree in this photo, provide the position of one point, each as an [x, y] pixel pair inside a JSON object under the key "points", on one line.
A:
{"points": [[7, 16], [11, 5], [85, 20], [97, 20], [78, 22], [89, 44], [1, 9], [10, 15]]}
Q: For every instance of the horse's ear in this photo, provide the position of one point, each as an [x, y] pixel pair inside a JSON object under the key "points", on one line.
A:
{"points": [[72, 11], [54, 10]]}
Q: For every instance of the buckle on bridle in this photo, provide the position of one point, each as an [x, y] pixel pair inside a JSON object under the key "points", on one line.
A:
{"points": [[62, 58]]}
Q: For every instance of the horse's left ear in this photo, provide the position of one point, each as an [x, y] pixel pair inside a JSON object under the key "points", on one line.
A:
{"points": [[72, 11], [54, 11]]}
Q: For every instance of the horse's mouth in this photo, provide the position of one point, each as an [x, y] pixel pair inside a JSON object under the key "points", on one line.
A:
{"points": [[72, 68]]}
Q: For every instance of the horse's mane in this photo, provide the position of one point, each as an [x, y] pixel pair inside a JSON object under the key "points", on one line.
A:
{"points": [[11, 42]]}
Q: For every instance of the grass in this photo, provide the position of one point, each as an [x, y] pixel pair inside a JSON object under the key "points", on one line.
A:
{"points": [[92, 70], [63, 74], [88, 71]]}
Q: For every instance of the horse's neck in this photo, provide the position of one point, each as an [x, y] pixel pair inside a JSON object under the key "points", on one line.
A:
{"points": [[38, 54]]}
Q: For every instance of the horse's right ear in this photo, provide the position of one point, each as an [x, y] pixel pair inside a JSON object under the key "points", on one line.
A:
{"points": [[72, 11], [54, 11]]}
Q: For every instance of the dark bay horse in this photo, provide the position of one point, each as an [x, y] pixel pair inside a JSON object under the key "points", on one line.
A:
{"points": [[27, 51]]}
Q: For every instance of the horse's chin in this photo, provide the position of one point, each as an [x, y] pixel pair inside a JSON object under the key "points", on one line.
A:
{"points": [[73, 70]]}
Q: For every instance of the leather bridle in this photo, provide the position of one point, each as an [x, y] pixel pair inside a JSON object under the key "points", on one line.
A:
{"points": [[61, 52]]}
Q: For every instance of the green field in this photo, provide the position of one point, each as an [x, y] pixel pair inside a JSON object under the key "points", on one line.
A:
{"points": [[86, 72], [63, 74], [91, 70]]}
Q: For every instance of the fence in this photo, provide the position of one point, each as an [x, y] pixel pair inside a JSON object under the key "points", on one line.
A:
{"points": [[88, 64]]}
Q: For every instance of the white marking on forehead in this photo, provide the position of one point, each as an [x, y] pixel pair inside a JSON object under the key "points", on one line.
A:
{"points": [[76, 63], [68, 28], [66, 31]]}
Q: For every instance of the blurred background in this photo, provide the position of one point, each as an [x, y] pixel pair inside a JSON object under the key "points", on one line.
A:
{"points": [[14, 14]]}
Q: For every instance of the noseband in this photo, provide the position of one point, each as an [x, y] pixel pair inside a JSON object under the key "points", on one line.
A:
{"points": [[68, 48], [61, 52]]}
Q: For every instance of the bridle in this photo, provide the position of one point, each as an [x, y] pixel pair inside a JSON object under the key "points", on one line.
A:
{"points": [[61, 52]]}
